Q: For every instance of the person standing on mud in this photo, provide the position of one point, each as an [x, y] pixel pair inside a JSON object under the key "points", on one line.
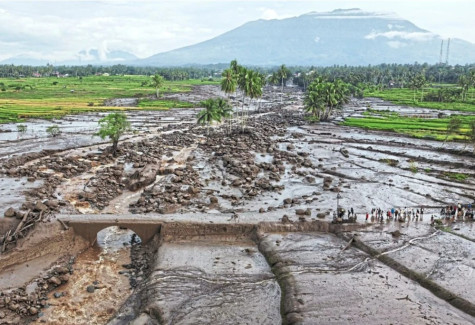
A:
{"points": [[352, 212]]}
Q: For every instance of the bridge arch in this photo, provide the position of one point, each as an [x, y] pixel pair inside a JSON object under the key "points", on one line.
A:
{"points": [[89, 230]]}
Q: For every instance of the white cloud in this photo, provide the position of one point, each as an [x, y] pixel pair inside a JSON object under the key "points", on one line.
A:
{"points": [[396, 44], [410, 36], [269, 14]]}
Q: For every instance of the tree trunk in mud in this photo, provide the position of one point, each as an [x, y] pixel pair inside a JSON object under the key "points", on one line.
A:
{"points": [[114, 147]]}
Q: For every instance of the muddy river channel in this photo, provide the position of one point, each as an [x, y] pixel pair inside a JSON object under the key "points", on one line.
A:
{"points": [[233, 225]]}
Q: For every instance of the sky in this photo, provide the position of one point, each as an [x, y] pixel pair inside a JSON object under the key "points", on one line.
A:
{"points": [[60, 30]]}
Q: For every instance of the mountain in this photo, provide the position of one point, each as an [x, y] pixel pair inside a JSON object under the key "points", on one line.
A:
{"points": [[343, 36], [84, 57]]}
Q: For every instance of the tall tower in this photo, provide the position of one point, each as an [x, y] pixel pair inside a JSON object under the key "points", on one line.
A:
{"points": [[447, 54], [441, 51]]}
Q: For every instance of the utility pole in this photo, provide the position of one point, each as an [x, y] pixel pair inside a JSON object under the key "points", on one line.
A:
{"points": [[441, 51], [447, 54]]}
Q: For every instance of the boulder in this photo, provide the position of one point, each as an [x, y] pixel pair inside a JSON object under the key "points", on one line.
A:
{"points": [[40, 207], [344, 152], [10, 213], [288, 201], [285, 219], [142, 178], [54, 280]]}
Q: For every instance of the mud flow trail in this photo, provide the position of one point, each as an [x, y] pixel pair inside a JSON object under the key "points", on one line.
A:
{"points": [[240, 219]]}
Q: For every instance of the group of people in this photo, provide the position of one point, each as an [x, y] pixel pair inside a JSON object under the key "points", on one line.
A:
{"points": [[459, 211], [400, 215]]}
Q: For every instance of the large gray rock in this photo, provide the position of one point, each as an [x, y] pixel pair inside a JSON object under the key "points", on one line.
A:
{"points": [[142, 178]]}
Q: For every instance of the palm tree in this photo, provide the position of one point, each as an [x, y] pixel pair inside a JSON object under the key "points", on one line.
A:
{"points": [[157, 82], [228, 83], [208, 114], [283, 74], [224, 110], [453, 126], [252, 87], [323, 97], [464, 82]]}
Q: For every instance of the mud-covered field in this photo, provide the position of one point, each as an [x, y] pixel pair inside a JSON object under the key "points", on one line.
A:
{"points": [[245, 215]]}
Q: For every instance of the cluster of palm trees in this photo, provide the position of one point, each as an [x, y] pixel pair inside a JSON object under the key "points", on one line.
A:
{"points": [[246, 82], [324, 96], [280, 77], [466, 81]]}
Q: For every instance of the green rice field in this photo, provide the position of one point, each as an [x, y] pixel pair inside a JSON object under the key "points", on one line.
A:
{"points": [[54, 97]]}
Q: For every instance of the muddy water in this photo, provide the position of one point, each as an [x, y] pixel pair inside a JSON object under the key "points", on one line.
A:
{"points": [[99, 267], [77, 130], [325, 284], [212, 282], [11, 191]]}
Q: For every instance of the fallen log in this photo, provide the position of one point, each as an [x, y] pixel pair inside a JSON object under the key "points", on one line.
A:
{"points": [[5, 241], [64, 225], [20, 225]]}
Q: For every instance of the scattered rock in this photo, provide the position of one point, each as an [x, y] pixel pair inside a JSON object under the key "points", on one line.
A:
{"points": [[10, 213], [91, 288], [285, 219], [396, 233], [54, 280]]}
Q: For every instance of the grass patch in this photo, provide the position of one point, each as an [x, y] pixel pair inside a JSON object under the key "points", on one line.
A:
{"points": [[390, 162], [413, 167], [456, 176], [405, 97], [425, 128]]}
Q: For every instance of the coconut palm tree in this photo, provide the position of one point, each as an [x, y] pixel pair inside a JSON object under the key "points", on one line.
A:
{"points": [[208, 114], [224, 110], [252, 87], [157, 82], [283, 73]]}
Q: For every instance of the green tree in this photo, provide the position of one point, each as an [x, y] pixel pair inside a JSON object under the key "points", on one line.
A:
{"points": [[323, 97], [113, 126], [283, 73], [157, 82], [464, 82], [224, 110], [418, 82], [453, 126], [209, 114], [228, 83], [252, 88]]}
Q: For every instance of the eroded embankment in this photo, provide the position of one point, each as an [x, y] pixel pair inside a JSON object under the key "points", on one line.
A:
{"points": [[39, 263]]}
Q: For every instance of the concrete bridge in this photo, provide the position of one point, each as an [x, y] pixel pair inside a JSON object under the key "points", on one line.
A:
{"points": [[194, 225]]}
